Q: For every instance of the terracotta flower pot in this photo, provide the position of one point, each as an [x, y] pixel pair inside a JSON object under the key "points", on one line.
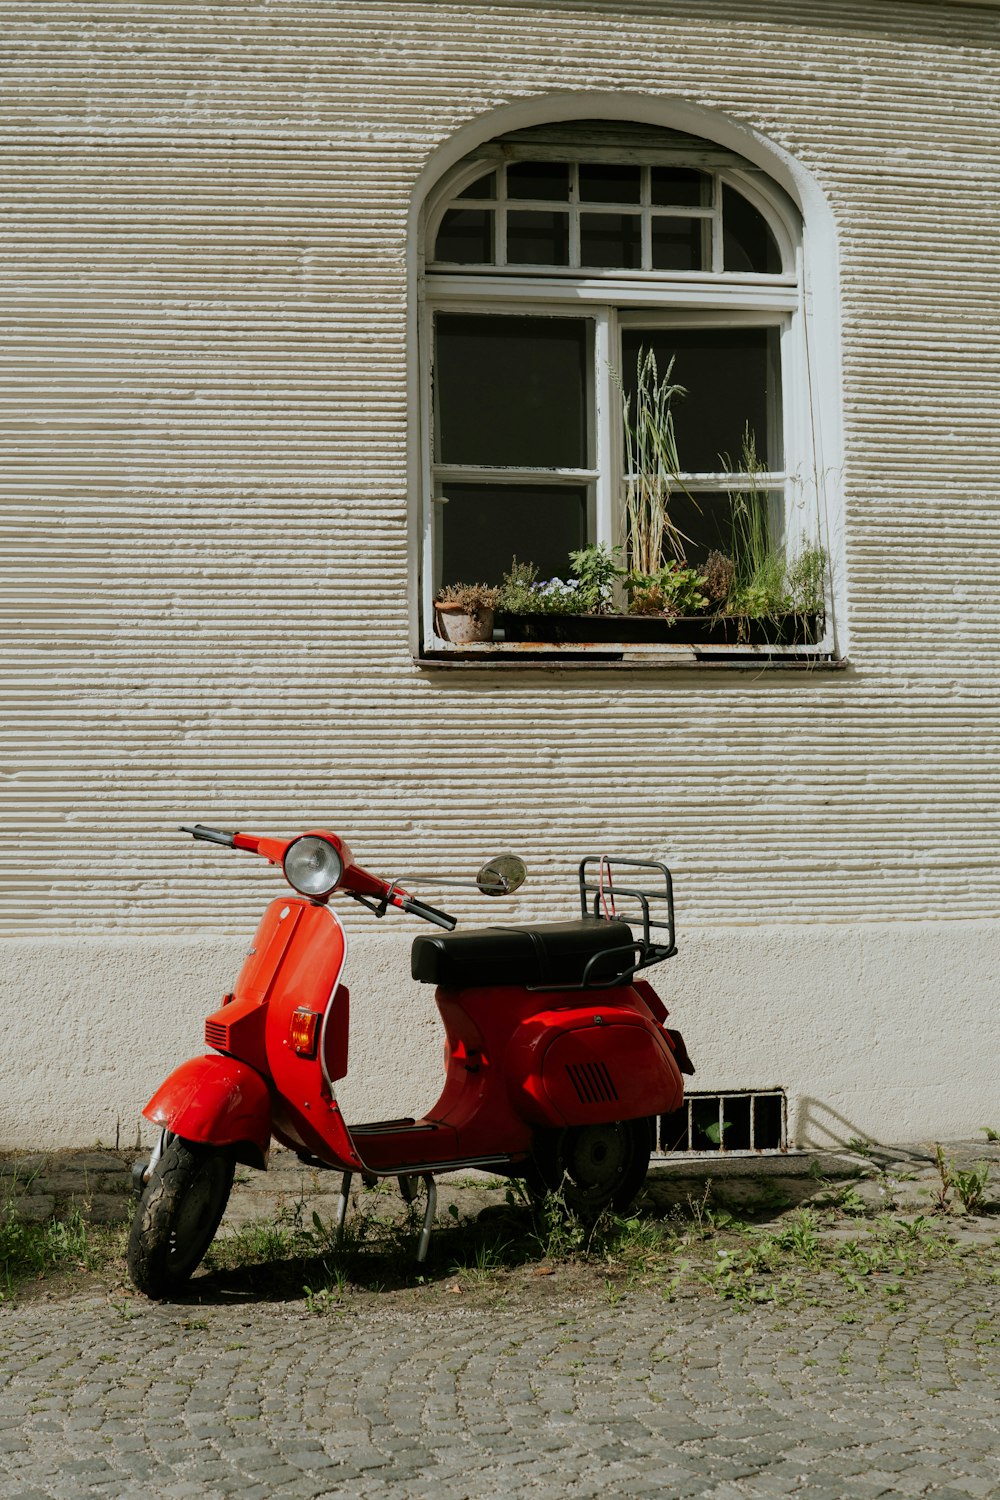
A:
{"points": [[455, 625]]}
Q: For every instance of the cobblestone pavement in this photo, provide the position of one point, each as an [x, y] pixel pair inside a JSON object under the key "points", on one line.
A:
{"points": [[535, 1387], [537, 1381]]}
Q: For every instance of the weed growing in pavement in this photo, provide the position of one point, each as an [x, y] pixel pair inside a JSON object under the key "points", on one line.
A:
{"points": [[670, 1287], [698, 1207], [990, 1133], [849, 1200], [30, 1248], [487, 1258], [557, 1233], [969, 1186], [326, 1299], [942, 1198], [613, 1291], [799, 1236]]}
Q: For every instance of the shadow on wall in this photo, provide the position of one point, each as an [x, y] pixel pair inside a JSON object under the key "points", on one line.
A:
{"points": [[817, 1125]]}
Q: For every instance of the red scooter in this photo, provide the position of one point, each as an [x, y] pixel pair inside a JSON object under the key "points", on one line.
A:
{"points": [[557, 1061]]}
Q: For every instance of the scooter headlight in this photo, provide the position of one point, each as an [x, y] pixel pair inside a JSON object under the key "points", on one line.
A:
{"points": [[313, 866]]}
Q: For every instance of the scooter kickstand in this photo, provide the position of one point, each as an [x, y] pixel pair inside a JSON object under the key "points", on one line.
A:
{"points": [[425, 1234], [342, 1201], [408, 1186]]}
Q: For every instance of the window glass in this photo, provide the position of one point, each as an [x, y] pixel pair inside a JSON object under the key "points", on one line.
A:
{"points": [[611, 240], [747, 241], [466, 237], [511, 391], [602, 183], [485, 526], [538, 179], [677, 244], [730, 382], [537, 238], [705, 521], [679, 187], [483, 187]]}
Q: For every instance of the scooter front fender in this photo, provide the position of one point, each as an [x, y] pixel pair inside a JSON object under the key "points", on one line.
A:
{"points": [[219, 1102]]}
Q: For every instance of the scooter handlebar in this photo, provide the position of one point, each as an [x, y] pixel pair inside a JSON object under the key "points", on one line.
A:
{"points": [[357, 882], [211, 835], [429, 913]]}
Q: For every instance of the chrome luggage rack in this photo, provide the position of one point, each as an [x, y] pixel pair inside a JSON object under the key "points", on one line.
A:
{"points": [[599, 897]]}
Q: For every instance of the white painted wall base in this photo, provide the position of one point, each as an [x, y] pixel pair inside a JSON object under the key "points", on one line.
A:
{"points": [[882, 1030]]}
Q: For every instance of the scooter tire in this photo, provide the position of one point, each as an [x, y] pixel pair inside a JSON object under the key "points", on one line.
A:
{"points": [[179, 1211], [592, 1167]]}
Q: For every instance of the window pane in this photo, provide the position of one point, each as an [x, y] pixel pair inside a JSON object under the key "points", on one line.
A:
{"points": [[679, 187], [483, 187], [484, 527], [538, 179], [537, 239], [466, 237], [730, 381], [511, 391], [705, 521], [610, 184], [611, 240], [677, 244], [747, 241]]}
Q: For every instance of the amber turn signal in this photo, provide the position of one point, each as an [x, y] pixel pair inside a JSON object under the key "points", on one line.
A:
{"points": [[303, 1031]]}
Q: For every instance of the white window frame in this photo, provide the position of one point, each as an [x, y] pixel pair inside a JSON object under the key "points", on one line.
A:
{"points": [[613, 299]]}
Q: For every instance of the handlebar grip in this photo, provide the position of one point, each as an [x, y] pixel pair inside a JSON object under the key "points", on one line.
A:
{"points": [[429, 913], [210, 835]]}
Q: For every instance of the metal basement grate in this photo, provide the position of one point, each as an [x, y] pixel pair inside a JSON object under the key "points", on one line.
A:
{"points": [[745, 1120]]}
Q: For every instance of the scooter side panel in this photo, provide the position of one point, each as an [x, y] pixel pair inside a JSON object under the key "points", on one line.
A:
{"points": [[216, 1101], [576, 1067], [616, 1072]]}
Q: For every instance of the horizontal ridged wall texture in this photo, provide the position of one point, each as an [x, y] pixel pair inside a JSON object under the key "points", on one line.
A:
{"points": [[204, 424]]}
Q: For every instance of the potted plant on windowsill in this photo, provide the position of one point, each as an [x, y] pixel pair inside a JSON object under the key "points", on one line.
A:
{"points": [[577, 609], [661, 606], [463, 613], [780, 604]]}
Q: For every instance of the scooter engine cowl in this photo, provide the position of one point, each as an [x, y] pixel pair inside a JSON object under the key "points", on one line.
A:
{"points": [[593, 1066]]}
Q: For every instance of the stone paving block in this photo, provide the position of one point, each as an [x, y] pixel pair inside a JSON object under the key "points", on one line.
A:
{"points": [[36, 1206]]}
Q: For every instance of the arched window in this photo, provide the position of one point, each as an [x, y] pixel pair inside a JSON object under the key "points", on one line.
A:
{"points": [[564, 266]]}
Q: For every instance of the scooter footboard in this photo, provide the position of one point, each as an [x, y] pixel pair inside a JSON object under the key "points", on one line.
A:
{"points": [[218, 1102]]}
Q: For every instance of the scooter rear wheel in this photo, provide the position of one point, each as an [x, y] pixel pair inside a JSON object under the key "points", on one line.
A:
{"points": [[593, 1167], [178, 1214]]}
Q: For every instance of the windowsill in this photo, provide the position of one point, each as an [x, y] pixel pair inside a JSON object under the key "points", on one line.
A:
{"points": [[540, 656]]}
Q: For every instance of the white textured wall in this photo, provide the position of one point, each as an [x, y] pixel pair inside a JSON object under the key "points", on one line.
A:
{"points": [[885, 1032], [203, 416]]}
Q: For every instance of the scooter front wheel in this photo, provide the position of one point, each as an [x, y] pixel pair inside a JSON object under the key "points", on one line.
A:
{"points": [[592, 1167], [179, 1211]]}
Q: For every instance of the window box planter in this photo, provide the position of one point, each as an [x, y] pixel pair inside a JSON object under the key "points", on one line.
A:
{"points": [[694, 630]]}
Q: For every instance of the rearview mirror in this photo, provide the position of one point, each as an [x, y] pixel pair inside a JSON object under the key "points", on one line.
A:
{"points": [[502, 875]]}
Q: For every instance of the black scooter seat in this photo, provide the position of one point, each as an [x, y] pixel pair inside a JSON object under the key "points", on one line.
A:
{"points": [[551, 953]]}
